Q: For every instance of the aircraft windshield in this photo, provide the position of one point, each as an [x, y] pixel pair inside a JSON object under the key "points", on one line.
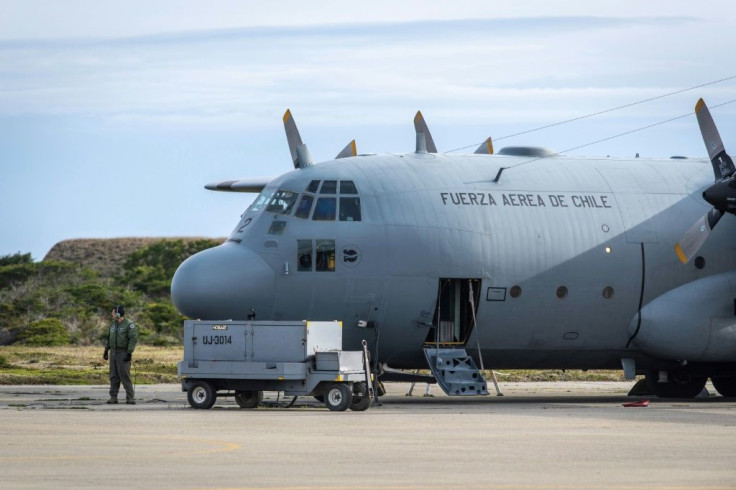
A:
{"points": [[260, 201], [282, 202]]}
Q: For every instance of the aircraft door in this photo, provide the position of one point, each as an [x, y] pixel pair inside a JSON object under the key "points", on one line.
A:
{"points": [[454, 314]]}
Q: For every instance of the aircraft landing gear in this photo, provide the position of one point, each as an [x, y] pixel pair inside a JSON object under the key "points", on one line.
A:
{"points": [[725, 385], [678, 385]]}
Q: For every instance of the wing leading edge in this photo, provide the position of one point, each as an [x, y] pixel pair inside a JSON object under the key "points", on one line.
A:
{"points": [[255, 184]]}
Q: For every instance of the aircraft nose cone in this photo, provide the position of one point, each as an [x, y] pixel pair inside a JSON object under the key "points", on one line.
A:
{"points": [[223, 283]]}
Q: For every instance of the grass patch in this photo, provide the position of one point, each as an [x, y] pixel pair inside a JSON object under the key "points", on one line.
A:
{"points": [[69, 365], [79, 365]]}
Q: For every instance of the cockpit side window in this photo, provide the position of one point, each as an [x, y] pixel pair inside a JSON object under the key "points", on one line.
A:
{"points": [[305, 206], [282, 202], [313, 186]]}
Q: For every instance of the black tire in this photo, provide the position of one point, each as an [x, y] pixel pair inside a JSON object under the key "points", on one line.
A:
{"points": [[338, 397], [201, 394], [361, 400], [680, 385], [726, 385], [248, 399]]}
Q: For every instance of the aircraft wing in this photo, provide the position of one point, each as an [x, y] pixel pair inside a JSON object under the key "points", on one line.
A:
{"points": [[253, 184]]}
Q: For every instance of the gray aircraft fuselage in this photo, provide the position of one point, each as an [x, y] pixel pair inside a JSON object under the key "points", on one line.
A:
{"points": [[569, 261]]}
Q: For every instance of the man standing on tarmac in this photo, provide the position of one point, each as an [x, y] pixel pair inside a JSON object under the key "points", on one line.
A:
{"points": [[121, 340]]}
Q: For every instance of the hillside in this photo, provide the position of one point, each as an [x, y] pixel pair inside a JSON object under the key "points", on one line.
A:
{"points": [[66, 297], [106, 256]]}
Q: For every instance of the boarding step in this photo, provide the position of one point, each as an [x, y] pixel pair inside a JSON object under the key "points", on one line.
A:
{"points": [[456, 372]]}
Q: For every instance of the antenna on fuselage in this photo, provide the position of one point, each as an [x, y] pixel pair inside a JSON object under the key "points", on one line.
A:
{"points": [[485, 148], [299, 152], [425, 143], [498, 175], [349, 151]]}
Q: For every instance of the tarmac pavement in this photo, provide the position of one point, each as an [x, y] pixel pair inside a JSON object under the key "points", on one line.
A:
{"points": [[539, 435]]}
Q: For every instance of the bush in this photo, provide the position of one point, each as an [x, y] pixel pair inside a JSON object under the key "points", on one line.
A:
{"points": [[46, 332], [151, 268], [164, 318], [16, 259]]}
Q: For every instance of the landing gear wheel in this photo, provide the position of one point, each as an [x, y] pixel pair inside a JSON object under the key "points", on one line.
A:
{"points": [[361, 400], [248, 399], [726, 385], [338, 397], [680, 385], [201, 394]]}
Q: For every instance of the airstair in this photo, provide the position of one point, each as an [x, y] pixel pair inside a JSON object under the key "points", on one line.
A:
{"points": [[455, 372]]}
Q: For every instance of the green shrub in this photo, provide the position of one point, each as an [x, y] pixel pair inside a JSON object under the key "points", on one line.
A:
{"points": [[46, 332], [16, 259]]}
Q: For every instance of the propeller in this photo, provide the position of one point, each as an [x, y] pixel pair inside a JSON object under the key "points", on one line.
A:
{"points": [[721, 195], [425, 143]]}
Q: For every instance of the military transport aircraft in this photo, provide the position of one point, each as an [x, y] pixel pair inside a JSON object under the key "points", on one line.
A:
{"points": [[523, 259]]}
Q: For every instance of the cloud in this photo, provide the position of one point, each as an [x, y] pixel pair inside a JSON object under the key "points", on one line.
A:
{"points": [[239, 76]]}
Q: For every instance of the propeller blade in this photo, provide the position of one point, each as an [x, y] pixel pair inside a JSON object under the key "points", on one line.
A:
{"points": [[300, 156], [421, 128], [722, 164], [485, 148], [349, 151], [695, 237]]}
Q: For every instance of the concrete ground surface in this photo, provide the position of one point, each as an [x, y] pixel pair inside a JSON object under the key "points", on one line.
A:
{"points": [[539, 435]]}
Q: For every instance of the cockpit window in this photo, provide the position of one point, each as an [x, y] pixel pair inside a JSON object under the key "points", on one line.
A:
{"points": [[347, 187], [329, 187], [282, 202], [325, 260], [325, 209], [260, 201], [304, 255], [349, 209], [277, 228], [313, 186], [305, 206]]}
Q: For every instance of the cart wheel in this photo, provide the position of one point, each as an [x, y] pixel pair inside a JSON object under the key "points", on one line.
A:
{"points": [[338, 397], [201, 394], [361, 400], [248, 399]]}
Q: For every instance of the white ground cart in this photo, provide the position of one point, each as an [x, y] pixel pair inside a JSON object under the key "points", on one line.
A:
{"points": [[245, 358]]}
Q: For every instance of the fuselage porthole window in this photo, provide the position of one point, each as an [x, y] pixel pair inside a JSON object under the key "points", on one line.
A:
{"points": [[304, 207], [282, 202], [349, 209], [325, 209]]}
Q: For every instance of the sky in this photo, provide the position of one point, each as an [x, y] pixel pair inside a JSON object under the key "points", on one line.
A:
{"points": [[114, 115]]}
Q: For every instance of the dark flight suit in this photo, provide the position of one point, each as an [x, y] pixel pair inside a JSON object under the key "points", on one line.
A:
{"points": [[121, 340]]}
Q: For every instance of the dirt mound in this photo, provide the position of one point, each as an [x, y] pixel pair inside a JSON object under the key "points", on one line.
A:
{"points": [[105, 255]]}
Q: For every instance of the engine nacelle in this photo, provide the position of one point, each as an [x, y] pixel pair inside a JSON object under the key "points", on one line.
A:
{"points": [[694, 322]]}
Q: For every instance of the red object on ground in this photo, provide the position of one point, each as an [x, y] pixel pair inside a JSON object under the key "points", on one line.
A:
{"points": [[642, 403]]}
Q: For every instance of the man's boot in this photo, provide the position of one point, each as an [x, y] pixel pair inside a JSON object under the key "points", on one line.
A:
{"points": [[112, 401]]}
